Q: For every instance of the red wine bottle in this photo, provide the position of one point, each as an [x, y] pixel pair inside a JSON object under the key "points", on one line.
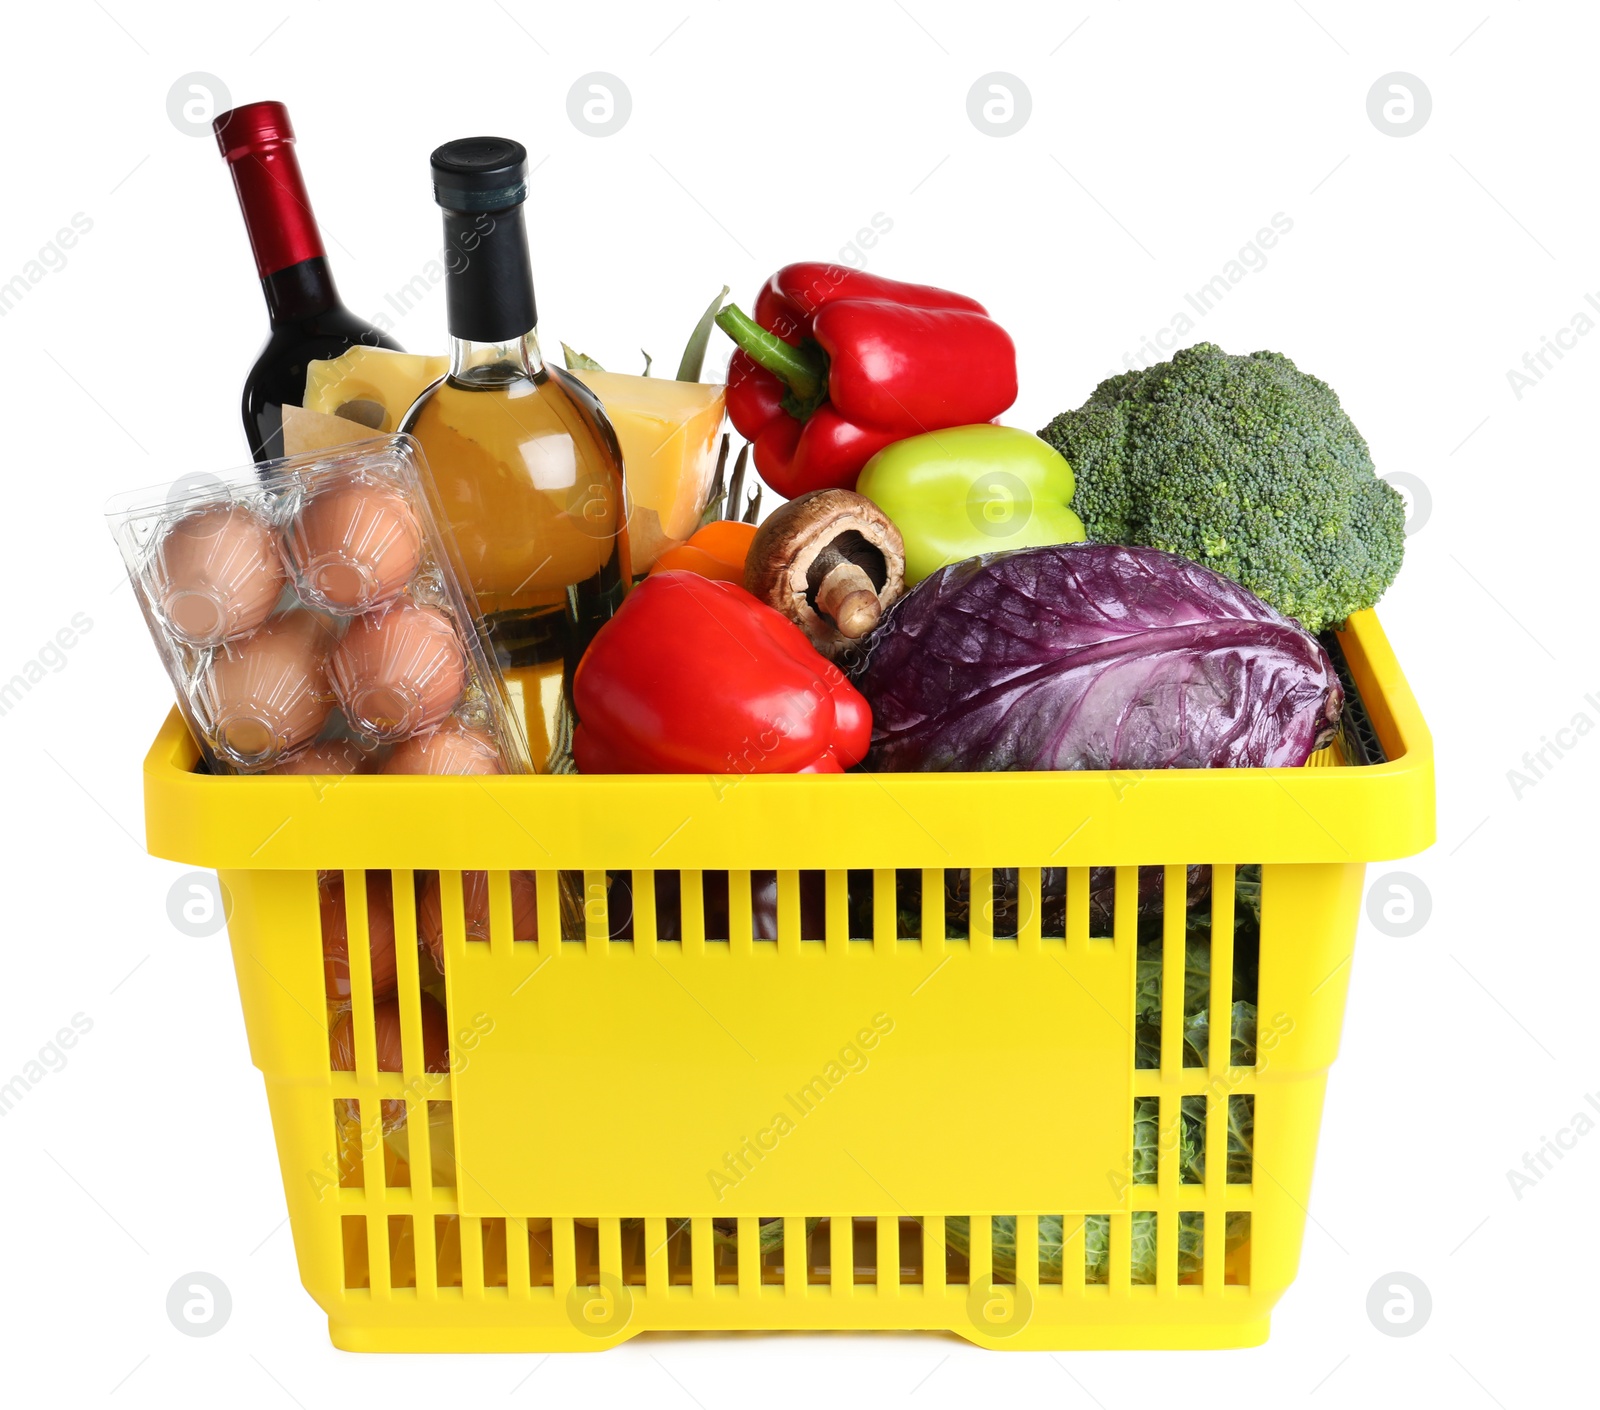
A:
{"points": [[308, 320]]}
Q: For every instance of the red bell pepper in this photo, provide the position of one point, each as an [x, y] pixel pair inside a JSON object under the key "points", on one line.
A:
{"points": [[694, 676], [838, 364]]}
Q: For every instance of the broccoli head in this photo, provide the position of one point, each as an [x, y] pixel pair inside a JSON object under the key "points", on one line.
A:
{"points": [[1245, 464]]}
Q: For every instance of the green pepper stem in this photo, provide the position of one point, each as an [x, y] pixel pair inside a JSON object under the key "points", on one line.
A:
{"points": [[803, 370]]}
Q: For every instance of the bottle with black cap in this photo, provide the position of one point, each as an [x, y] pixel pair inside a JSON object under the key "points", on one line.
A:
{"points": [[526, 464]]}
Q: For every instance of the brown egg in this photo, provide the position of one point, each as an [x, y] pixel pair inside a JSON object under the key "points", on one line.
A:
{"points": [[336, 933], [335, 757], [354, 546], [268, 694], [216, 574], [399, 671], [451, 749], [475, 904], [386, 1036]]}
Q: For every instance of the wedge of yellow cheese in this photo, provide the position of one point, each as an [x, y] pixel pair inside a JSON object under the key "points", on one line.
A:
{"points": [[372, 386], [668, 432]]}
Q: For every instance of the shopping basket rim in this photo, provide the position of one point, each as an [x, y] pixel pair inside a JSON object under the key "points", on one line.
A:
{"points": [[1336, 813]]}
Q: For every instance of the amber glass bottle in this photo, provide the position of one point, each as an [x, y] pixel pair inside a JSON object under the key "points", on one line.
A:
{"points": [[526, 465]]}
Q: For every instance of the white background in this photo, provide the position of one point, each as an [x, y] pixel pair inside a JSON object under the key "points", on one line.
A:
{"points": [[1419, 270]]}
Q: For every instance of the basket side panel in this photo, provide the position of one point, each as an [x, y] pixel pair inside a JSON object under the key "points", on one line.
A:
{"points": [[303, 1129], [1287, 1119], [274, 929], [1308, 930], [1308, 934]]}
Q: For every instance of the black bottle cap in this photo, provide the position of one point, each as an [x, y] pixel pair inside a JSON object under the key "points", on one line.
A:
{"points": [[480, 174], [482, 183]]}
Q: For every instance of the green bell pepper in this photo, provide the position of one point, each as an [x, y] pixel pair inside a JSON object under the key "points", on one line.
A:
{"points": [[970, 490]]}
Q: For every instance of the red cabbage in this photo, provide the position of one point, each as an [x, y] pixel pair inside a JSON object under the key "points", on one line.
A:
{"points": [[1092, 656]]}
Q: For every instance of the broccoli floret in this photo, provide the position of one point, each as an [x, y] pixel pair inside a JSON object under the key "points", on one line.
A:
{"points": [[1244, 464]]}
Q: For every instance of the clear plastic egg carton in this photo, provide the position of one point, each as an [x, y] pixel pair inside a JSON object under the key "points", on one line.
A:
{"points": [[312, 621]]}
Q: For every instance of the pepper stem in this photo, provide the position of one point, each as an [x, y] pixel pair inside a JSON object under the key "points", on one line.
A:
{"points": [[803, 370]]}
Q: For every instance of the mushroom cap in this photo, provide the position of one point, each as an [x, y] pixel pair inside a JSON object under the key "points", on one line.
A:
{"points": [[787, 546]]}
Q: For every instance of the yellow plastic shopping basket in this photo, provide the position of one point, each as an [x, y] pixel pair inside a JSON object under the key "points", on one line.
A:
{"points": [[958, 1089]]}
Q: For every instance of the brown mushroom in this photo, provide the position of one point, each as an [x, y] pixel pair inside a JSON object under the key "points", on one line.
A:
{"points": [[832, 562]]}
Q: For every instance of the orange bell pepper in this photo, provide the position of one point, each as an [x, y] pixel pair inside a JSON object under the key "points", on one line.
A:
{"points": [[716, 551]]}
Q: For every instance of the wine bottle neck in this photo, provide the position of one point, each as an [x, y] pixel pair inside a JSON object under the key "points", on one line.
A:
{"points": [[300, 291], [258, 145]]}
